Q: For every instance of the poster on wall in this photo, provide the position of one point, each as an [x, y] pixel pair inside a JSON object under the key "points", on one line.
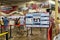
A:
{"points": [[37, 20]]}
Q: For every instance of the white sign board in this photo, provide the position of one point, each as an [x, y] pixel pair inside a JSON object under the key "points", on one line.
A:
{"points": [[37, 20]]}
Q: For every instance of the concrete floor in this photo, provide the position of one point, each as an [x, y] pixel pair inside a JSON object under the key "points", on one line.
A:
{"points": [[37, 35]]}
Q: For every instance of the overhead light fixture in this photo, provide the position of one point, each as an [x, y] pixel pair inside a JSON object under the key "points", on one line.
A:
{"points": [[32, 2]]}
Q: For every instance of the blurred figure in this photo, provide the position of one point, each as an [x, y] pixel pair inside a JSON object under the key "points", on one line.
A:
{"points": [[19, 23], [5, 20], [11, 23], [22, 24], [28, 6], [34, 6], [58, 24], [16, 22], [1, 22], [49, 10]]}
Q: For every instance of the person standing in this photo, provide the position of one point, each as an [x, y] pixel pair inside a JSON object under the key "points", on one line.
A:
{"points": [[5, 20], [2, 24], [11, 23], [17, 25], [22, 24]]}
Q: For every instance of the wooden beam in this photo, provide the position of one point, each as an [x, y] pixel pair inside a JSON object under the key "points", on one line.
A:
{"points": [[56, 15]]}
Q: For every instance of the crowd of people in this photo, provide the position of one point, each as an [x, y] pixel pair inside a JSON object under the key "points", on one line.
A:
{"points": [[31, 8], [9, 22], [6, 23]]}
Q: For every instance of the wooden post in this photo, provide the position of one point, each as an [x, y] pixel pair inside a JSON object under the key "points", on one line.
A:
{"points": [[56, 15]]}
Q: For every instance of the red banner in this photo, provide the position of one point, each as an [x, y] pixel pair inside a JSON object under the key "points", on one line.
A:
{"points": [[50, 33], [50, 28], [8, 9]]}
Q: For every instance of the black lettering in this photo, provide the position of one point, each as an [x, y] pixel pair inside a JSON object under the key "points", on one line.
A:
{"points": [[36, 19]]}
